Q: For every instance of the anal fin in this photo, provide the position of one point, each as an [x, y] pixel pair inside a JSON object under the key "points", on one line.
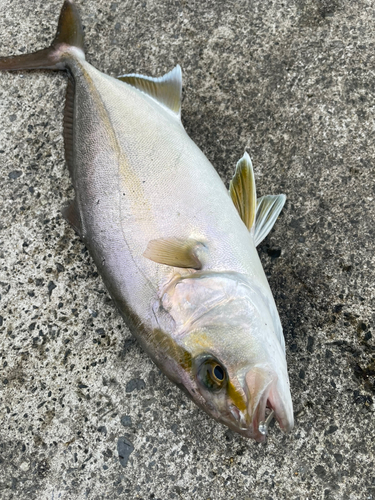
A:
{"points": [[243, 192], [268, 210], [71, 214], [259, 215]]}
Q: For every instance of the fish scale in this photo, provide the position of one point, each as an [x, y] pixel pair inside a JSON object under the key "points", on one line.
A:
{"points": [[175, 249]]}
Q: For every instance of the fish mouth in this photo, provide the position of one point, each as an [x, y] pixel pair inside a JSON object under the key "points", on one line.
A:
{"points": [[265, 395]]}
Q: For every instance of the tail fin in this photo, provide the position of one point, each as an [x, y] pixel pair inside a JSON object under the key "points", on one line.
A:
{"points": [[69, 34]]}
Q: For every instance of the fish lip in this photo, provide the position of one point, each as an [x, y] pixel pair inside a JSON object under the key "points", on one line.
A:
{"points": [[248, 425], [258, 383], [260, 416], [264, 391], [252, 430], [274, 403], [280, 407]]}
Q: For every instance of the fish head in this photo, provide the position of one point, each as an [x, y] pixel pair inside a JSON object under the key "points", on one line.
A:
{"points": [[235, 381], [237, 366]]}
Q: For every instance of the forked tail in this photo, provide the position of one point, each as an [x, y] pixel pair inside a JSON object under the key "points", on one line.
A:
{"points": [[69, 37]]}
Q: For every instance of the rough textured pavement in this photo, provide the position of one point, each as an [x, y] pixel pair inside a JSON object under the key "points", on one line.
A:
{"points": [[295, 81]]}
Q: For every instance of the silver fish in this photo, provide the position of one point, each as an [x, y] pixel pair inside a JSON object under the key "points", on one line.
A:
{"points": [[175, 249]]}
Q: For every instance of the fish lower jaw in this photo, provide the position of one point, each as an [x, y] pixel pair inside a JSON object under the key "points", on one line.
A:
{"points": [[240, 417], [249, 426]]}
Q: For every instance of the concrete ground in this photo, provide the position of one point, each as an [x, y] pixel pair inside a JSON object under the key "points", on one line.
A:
{"points": [[295, 81]]}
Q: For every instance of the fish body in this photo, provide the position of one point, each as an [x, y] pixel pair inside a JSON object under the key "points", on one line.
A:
{"points": [[142, 178], [175, 249]]}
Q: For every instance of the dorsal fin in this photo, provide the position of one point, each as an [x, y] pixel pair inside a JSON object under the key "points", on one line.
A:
{"points": [[167, 89], [268, 210], [242, 191]]}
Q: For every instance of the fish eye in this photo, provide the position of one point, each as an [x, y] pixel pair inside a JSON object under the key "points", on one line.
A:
{"points": [[212, 375], [218, 373]]}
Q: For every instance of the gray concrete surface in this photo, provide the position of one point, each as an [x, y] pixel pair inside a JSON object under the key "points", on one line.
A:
{"points": [[293, 79]]}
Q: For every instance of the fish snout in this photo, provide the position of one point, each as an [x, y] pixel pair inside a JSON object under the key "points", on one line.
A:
{"points": [[266, 392]]}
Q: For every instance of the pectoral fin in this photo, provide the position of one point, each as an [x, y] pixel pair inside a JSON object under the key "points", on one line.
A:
{"points": [[268, 210], [243, 192], [166, 90], [175, 252]]}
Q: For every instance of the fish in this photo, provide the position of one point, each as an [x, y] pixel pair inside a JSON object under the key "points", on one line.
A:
{"points": [[175, 248]]}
